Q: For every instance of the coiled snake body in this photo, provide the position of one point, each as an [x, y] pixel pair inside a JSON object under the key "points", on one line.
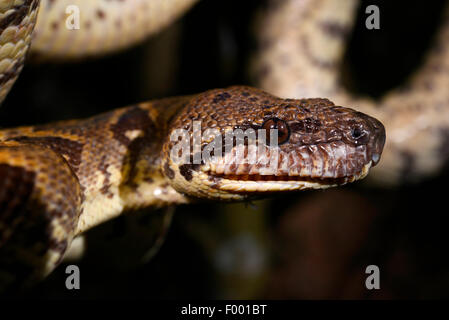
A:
{"points": [[59, 180], [103, 26]]}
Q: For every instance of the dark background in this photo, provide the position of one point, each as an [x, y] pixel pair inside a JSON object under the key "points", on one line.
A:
{"points": [[306, 245]]}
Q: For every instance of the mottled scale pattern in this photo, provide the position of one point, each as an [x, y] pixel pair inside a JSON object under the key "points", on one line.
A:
{"points": [[302, 45], [40, 201], [58, 180], [97, 150]]}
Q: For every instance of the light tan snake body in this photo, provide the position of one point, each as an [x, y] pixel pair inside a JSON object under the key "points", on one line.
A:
{"points": [[104, 26], [302, 48]]}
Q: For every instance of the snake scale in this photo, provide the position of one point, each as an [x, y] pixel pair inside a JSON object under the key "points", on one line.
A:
{"points": [[59, 180]]}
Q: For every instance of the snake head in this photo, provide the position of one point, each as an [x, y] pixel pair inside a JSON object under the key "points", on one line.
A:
{"points": [[240, 142]]}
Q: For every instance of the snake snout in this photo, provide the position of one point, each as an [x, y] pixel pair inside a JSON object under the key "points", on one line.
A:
{"points": [[377, 139]]}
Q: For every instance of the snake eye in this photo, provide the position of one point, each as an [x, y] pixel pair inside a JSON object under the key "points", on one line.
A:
{"points": [[356, 133], [283, 131], [359, 135]]}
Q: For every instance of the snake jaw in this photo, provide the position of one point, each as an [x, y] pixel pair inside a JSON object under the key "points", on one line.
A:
{"points": [[270, 183], [231, 188], [234, 182], [325, 162], [305, 167]]}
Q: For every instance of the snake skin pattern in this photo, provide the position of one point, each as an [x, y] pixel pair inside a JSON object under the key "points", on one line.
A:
{"points": [[302, 46], [104, 26], [60, 179]]}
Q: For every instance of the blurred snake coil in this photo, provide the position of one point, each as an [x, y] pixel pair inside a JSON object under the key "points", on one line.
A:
{"points": [[311, 35]]}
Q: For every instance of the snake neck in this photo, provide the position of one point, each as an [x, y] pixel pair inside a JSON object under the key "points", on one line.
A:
{"points": [[115, 157], [143, 182], [131, 175]]}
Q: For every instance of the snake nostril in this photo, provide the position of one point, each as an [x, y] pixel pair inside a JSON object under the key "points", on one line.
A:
{"points": [[359, 135]]}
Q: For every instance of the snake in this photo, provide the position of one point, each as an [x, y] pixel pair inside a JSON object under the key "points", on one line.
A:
{"points": [[61, 179], [58, 180], [301, 51]]}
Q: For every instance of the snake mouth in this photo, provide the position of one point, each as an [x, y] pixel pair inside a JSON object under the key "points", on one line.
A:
{"points": [[272, 183]]}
